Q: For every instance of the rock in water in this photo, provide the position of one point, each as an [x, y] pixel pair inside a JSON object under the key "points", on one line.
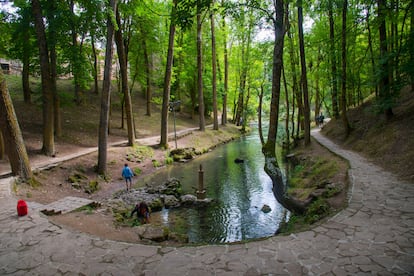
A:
{"points": [[266, 208]]}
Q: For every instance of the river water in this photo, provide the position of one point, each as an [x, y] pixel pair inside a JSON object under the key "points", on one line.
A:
{"points": [[241, 189]]}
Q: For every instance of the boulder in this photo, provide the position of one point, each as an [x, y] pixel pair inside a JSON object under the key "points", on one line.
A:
{"points": [[152, 233], [170, 201], [188, 200]]}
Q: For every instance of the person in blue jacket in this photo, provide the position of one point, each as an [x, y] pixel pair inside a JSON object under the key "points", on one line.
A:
{"points": [[127, 174]]}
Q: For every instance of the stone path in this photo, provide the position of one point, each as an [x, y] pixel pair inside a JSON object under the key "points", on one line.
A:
{"points": [[374, 235]]}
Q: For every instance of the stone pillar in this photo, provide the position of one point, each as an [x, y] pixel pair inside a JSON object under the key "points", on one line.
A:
{"points": [[201, 192]]}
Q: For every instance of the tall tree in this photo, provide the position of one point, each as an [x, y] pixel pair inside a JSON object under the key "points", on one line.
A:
{"points": [[226, 74], [269, 148], [344, 80], [47, 83], [10, 131], [106, 90], [214, 68], [122, 46], [384, 87], [303, 78], [202, 123], [167, 79], [332, 55]]}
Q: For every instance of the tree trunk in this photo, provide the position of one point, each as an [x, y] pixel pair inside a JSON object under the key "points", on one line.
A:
{"points": [[26, 69], [57, 119], [279, 32], [295, 89], [95, 66], [287, 109], [106, 95], [202, 122], [167, 81], [384, 87], [334, 85], [304, 79], [2, 153], [343, 95], [226, 76], [47, 85], [317, 89], [75, 57], [123, 64], [214, 69], [10, 131], [148, 91], [371, 51], [259, 113]]}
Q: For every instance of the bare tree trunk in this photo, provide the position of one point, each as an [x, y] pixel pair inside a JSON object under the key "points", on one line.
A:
{"points": [[167, 81], [332, 54], [202, 122], [47, 85], [296, 92], [304, 79], [148, 90], [95, 66], [226, 77], [10, 131], [384, 88], [287, 109], [75, 67], [1, 147], [106, 95], [279, 32], [343, 95], [26, 68], [214, 69], [123, 64], [259, 114]]}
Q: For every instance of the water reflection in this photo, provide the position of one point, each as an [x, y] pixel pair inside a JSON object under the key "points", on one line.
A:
{"points": [[241, 189]]}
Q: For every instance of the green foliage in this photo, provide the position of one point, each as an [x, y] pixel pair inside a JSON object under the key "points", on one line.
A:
{"points": [[169, 160], [137, 171], [316, 211], [156, 163], [92, 187], [139, 153]]}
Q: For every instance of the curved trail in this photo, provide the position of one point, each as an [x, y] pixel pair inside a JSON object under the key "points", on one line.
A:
{"points": [[373, 235]]}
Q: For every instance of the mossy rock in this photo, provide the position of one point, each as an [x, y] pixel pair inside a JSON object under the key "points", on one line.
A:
{"points": [[92, 187], [156, 205]]}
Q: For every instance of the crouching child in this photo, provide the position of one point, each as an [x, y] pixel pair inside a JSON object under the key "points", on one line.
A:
{"points": [[143, 212]]}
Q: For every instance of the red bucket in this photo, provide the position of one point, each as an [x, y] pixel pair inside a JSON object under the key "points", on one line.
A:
{"points": [[21, 208]]}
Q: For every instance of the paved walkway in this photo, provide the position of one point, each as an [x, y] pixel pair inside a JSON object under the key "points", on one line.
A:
{"points": [[374, 235]]}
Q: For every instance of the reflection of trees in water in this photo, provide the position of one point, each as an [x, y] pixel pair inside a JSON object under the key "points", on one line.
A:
{"points": [[279, 188]]}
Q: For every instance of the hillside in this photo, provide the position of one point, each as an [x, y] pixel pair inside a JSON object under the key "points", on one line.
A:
{"points": [[389, 144]]}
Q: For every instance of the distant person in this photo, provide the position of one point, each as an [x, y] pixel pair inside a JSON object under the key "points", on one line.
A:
{"points": [[320, 120], [127, 174], [142, 211]]}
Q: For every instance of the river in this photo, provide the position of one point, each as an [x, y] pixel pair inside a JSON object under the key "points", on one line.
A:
{"points": [[241, 189]]}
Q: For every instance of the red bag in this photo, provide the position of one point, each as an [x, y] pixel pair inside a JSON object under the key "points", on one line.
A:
{"points": [[21, 208]]}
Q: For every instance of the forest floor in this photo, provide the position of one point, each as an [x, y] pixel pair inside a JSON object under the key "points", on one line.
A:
{"points": [[80, 128]]}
